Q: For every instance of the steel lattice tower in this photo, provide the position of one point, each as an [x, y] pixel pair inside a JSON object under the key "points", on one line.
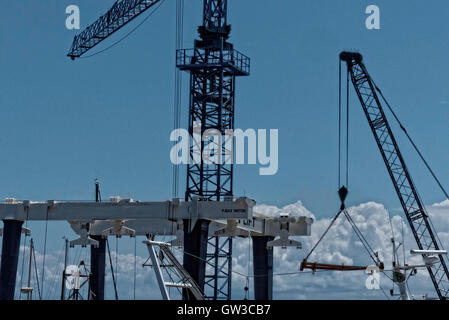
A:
{"points": [[213, 65]]}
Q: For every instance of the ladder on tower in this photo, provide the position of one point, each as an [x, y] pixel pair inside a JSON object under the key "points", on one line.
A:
{"points": [[185, 281]]}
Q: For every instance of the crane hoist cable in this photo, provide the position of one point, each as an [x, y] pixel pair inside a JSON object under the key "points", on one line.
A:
{"points": [[342, 192], [340, 124]]}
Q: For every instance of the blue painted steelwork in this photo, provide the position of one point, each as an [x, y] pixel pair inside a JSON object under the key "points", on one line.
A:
{"points": [[121, 13], [12, 230], [213, 65]]}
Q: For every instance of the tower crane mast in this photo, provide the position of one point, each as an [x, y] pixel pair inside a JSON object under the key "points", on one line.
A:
{"points": [[405, 188], [213, 66]]}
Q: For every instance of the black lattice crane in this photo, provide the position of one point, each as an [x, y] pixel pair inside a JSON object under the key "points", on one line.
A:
{"points": [[213, 65], [411, 202], [120, 14]]}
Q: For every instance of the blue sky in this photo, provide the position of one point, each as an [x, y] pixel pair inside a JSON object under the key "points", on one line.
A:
{"points": [[65, 123]]}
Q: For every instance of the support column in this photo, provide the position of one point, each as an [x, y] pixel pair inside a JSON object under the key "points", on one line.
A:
{"points": [[195, 250], [12, 230], [97, 268], [263, 268]]}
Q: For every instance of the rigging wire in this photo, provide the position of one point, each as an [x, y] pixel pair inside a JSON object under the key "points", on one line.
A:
{"points": [[116, 259], [247, 293], [36, 273], [23, 255], [339, 123], [427, 165], [362, 239], [324, 234], [126, 35], [51, 288], [262, 275], [178, 90], [429, 168], [45, 251], [112, 270], [135, 267], [347, 129]]}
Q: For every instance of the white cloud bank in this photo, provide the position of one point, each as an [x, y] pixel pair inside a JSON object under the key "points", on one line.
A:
{"points": [[341, 246]]}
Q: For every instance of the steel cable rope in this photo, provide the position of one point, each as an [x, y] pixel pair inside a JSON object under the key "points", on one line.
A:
{"points": [[86, 256], [339, 123], [382, 289], [76, 256], [429, 168], [324, 234], [179, 34], [362, 239], [412, 142], [60, 267], [339, 146], [23, 256], [135, 267], [116, 259], [172, 279], [52, 285], [263, 275], [340, 118], [112, 270], [403, 241], [45, 252], [249, 268], [357, 231], [366, 244], [126, 35], [347, 129], [52, 281], [36, 273]]}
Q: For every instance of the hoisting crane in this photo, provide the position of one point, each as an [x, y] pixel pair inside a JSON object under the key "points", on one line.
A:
{"points": [[117, 17], [415, 212], [213, 66]]}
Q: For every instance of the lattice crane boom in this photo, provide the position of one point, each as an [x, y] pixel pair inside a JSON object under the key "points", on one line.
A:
{"points": [[118, 16], [411, 202]]}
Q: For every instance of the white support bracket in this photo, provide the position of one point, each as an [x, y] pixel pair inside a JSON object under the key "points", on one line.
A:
{"points": [[84, 240]]}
